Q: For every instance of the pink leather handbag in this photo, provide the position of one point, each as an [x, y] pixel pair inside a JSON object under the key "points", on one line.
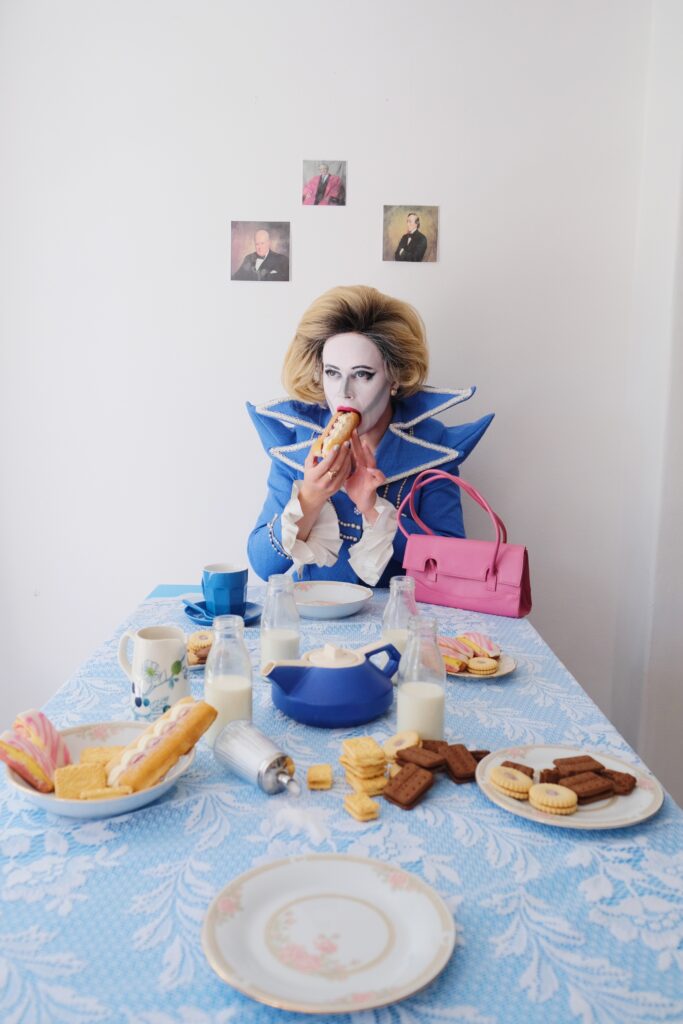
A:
{"points": [[476, 575]]}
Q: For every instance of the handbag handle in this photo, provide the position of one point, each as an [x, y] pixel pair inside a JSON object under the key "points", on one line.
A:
{"points": [[465, 486], [428, 477]]}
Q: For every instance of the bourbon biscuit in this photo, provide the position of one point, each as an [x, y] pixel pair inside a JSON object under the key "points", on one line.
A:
{"points": [[549, 776], [428, 759], [408, 787], [479, 755], [525, 768], [623, 782], [460, 764], [580, 763], [438, 746], [589, 787]]}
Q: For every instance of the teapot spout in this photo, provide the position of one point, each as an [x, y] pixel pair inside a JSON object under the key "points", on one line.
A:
{"points": [[285, 674]]}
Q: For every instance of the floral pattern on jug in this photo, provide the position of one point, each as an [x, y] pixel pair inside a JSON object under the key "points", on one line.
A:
{"points": [[155, 679]]}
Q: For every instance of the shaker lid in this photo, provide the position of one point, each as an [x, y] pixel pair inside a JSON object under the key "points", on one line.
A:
{"points": [[331, 656]]}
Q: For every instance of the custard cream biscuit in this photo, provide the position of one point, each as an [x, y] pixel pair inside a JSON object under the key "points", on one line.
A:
{"points": [[365, 771], [98, 755], [361, 807], [73, 779], [107, 793], [510, 782], [553, 799], [482, 666], [407, 738], [319, 776], [363, 750], [372, 787]]}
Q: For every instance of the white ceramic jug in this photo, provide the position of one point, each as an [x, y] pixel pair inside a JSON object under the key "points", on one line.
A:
{"points": [[158, 672]]}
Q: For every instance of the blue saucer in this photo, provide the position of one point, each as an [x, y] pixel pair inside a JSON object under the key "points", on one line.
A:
{"points": [[252, 613]]}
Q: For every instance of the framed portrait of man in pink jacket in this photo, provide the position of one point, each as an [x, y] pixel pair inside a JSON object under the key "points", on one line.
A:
{"points": [[324, 183]]}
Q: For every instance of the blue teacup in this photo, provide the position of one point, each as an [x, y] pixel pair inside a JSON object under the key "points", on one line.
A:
{"points": [[225, 589]]}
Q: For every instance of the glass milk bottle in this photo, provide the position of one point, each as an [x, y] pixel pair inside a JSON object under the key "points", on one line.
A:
{"points": [[280, 628], [227, 676], [421, 699], [399, 611]]}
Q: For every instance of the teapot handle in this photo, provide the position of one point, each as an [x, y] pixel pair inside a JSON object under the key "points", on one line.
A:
{"points": [[393, 655]]}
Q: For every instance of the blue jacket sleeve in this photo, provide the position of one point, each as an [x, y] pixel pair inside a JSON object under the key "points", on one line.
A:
{"points": [[438, 506], [266, 554]]}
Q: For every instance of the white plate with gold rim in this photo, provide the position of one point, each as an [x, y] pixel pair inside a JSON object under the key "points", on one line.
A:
{"points": [[100, 734], [612, 812], [506, 665], [327, 933]]}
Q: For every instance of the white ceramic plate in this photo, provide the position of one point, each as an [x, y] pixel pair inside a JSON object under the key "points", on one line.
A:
{"points": [[326, 933], [320, 599], [100, 734], [506, 665], [613, 812]]}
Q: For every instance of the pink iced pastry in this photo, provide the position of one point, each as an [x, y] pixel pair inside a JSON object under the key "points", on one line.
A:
{"points": [[451, 645], [482, 645], [27, 760], [37, 728]]}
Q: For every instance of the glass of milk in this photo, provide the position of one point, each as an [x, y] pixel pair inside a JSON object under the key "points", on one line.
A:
{"points": [[399, 611], [421, 699], [227, 676], [280, 625]]}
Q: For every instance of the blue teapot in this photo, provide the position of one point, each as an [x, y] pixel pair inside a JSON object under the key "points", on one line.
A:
{"points": [[333, 687]]}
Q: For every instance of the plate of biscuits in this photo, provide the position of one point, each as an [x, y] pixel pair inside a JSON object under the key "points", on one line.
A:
{"points": [[568, 787], [474, 656], [102, 769]]}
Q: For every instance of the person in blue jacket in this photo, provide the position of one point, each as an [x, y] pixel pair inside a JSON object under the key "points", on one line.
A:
{"points": [[336, 518]]}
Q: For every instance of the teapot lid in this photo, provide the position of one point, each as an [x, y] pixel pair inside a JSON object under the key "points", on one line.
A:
{"points": [[331, 656]]}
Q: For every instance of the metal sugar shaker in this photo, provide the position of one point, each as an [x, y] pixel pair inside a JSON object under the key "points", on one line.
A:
{"points": [[244, 749]]}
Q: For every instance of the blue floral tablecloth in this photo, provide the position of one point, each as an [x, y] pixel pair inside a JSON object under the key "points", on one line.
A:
{"points": [[101, 921]]}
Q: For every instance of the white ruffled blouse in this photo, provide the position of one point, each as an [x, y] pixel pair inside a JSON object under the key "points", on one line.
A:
{"points": [[369, 556]]}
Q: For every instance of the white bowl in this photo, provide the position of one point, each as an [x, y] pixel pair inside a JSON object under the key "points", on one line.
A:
{"points": [[100, 734], [323, 599]]}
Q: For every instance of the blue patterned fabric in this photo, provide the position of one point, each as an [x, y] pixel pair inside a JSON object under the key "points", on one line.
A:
{"points": [[101, 921]]}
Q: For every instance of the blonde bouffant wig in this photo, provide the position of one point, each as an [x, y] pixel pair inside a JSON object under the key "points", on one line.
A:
{"points": [[394, 326]]}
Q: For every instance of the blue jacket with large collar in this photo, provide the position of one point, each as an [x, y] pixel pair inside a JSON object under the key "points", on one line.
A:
{"points": [[413, 442]]}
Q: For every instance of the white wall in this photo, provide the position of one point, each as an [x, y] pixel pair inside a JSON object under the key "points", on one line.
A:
{"points": [[135, 132]]}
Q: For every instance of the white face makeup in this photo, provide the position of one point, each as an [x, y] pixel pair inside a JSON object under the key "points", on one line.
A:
{"points": [[354, 374]]}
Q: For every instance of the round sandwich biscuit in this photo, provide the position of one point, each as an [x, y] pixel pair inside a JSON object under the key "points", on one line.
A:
{"points": [[198, 646], [553, 799], [510, 782], [407, 738], [482, 666]]}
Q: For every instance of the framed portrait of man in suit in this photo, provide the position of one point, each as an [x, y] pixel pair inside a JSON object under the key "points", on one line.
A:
{"points": [[411, 234], [324, 183], [260, 250]]}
